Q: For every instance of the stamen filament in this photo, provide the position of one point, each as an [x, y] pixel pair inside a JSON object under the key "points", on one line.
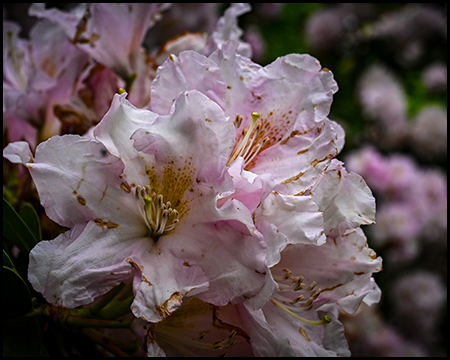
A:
{"points": [[159, 216], [325, 320], [245, 146]]}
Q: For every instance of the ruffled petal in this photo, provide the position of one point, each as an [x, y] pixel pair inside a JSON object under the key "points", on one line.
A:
{"points": [[297, 217], [78, 180], [345, 200], [114, 132], [81, 264], [342, 268], [18, 152]]}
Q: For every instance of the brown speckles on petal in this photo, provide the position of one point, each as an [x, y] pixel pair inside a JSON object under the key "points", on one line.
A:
{"points": [[81, 200], [303, 333], [294, 178], [107, 224], [125, 187]]}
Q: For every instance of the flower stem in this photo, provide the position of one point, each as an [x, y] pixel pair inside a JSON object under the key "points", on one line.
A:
{"points": [[95, 309]]}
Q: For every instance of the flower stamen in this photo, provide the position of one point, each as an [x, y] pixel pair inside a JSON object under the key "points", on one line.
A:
{"points": [[293, 302], [160, 217], [245, 146], [325, 320]]}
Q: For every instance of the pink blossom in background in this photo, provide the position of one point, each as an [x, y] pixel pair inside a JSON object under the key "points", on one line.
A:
{"points": [[434, 77], [383, 101], [38, 73], [428, 133], [418, 298]]}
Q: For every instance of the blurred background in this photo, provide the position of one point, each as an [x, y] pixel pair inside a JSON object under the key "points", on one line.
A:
{"points": [[390, 63]]}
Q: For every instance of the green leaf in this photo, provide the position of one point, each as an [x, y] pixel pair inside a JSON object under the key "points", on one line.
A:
{"points": [[16, 296], [7, 262], [22, 337], [16, 230], [31, 218]]}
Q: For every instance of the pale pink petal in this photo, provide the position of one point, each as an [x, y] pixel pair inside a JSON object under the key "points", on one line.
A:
{"points": [[345, 200], [114, 132], [81, 264], [18, 152], [200, 329], [227, 29], [78, 180], [297, 161], [334, 337], [297, 217], [111, 33], [162, 278], [250, 189], [265, 340], [305, 342], [187, 71], [342, 268]]}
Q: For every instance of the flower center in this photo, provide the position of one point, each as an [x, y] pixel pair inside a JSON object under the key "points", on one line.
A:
{"points": [[160, 217], [249, 144], [294, 296], [194, 329]]}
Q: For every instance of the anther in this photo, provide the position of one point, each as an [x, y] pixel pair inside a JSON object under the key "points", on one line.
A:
{"points": [[249, 144], [159, 216], [312, 285]]}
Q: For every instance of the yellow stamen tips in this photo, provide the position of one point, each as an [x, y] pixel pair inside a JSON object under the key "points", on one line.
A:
{"points": [[121, 91], [249, 144], [159, 216], [325, 320]]}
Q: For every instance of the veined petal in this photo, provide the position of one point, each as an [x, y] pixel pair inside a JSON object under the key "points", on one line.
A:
{"points": [[190, 148], [81, 264], [265, 340], [195, 120], [162, 279], [233, 262], [115, 130], [341, 268], [297, 217], [344, 198], [275, 333], [175, 75], [299, 158], [78, 181]]}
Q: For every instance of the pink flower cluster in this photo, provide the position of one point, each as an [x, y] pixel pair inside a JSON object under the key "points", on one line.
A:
{"points": [[211, 186], [412, 202]]}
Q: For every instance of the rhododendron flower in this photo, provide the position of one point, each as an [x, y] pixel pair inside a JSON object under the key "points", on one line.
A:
{"points": [[311, 281], [300, 320], [143, 198], [280, 114], [37, 74]]}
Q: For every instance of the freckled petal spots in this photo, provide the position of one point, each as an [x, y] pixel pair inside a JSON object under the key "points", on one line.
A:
{"points": [[341, 267], [78, 180]]}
